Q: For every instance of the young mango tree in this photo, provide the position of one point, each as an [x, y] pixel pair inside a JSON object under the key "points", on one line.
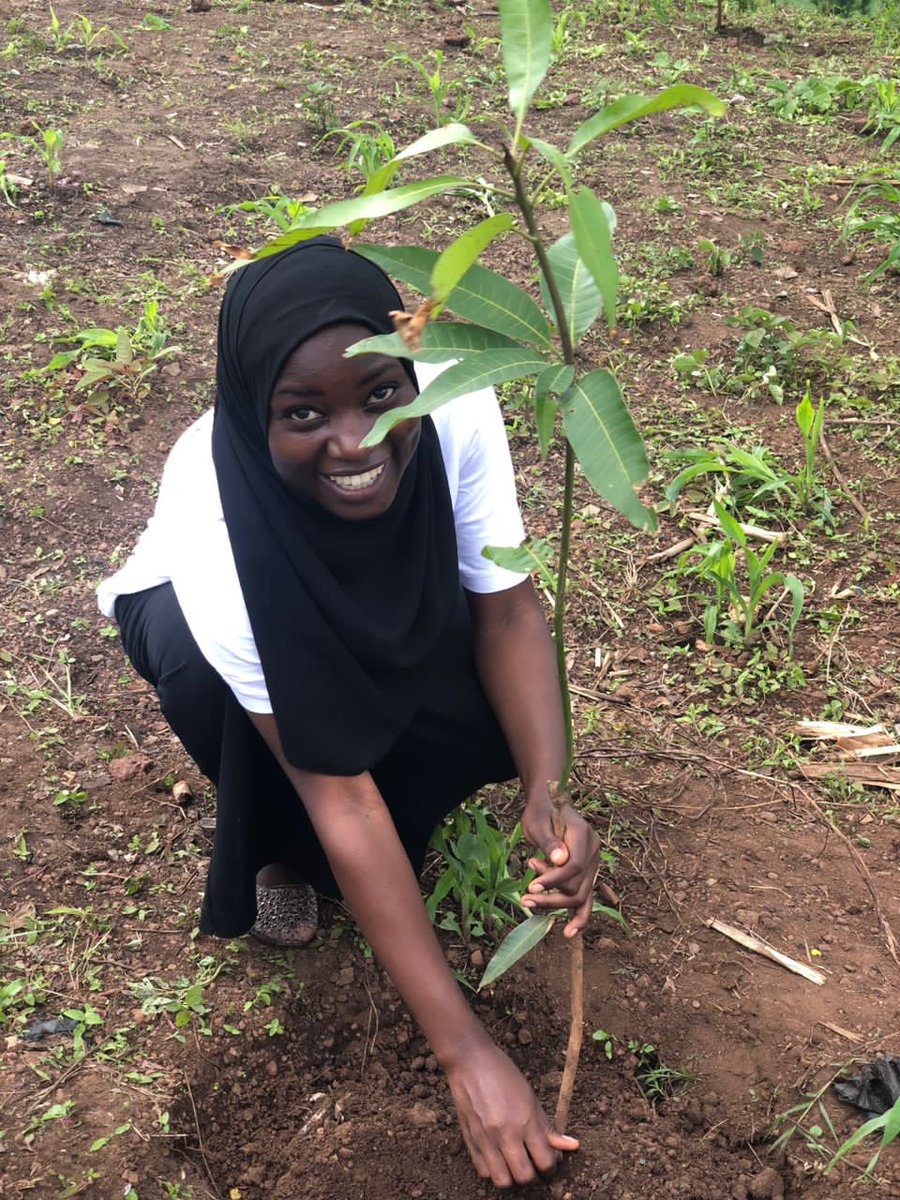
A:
{"points": [[503, 334]]}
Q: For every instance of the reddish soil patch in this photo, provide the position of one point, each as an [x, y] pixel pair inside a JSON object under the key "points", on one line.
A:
{"points": [[685, 763]]}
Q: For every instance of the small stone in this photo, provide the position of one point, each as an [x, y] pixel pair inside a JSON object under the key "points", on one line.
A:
{"points": [[130, 767], [525, 1037], [421, 1117], [272, 1068], [767, 1185]]}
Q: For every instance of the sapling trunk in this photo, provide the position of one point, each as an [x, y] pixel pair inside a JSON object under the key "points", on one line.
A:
{"points": [[558, 789], [576, 988]]}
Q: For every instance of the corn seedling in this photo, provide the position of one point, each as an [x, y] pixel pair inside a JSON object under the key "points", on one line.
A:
{"points": [[876, 212], [810, 422], [449, 99], [504, 334], [367, 144], [8, 189], [282, 211], [887, 1124], [49, 143], [482, 875], [717, 563], [717, 260]]}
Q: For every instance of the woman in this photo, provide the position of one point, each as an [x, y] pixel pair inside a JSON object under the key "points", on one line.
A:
{"points": [[333, 650]]}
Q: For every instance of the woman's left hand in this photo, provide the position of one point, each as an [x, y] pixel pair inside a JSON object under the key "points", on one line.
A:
{"points": [[565, 877]]}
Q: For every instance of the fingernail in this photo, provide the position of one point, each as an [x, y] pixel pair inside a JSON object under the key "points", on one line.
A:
{"points": [[535, 887]]}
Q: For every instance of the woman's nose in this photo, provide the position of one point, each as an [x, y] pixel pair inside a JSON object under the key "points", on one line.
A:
{"points": [[346, 434]]}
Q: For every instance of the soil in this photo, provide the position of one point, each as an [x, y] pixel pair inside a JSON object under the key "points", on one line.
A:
{"points": [[299, 1073]]}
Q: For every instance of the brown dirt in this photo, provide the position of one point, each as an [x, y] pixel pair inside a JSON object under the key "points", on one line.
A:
{"points": [[701, 819]]}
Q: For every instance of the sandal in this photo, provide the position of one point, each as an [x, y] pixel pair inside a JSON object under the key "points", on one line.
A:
{"points": [[286, 915]]}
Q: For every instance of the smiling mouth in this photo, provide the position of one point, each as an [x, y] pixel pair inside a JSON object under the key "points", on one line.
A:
{"points": [[355, 483]]}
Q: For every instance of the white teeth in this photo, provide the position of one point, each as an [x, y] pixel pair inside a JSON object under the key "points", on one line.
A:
{"points": [[353, 483]]}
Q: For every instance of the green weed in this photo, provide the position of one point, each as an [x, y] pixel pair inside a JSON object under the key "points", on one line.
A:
{"points": [[728, 565], [115, 364], [482, 876]]}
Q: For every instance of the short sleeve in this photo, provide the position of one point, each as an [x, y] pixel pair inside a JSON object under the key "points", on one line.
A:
{"points": [[486, 511]]}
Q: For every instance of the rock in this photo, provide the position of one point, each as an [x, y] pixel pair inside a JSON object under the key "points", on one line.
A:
{"points": [[767, 1185], [421, 1117], [132, 766]]}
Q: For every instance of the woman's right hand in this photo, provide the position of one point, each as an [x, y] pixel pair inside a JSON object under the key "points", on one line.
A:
{"points": [[506, 1131]]}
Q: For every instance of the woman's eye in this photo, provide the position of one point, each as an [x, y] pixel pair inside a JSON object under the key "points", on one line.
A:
{"points": [[384, 393], [302, 415]]}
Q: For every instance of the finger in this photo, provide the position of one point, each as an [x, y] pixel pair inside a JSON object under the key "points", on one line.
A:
{"points": [[549, 902], [519, 1163], [544, 1155], [581, 918], [565, 879], [562, 1141]]}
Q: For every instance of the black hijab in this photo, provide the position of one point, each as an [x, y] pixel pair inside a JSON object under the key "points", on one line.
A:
{"points": [[346, 614]]}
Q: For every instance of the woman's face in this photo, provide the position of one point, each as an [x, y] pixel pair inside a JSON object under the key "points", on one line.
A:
{"points": [[322, 407]]}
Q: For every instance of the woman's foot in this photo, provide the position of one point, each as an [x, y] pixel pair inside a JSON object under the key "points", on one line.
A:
{"points": [[287, 911]]}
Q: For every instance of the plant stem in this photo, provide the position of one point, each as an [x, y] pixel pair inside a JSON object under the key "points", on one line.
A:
{"points": [[559, 612], [559, 608], [576, 990], [557, 789]]}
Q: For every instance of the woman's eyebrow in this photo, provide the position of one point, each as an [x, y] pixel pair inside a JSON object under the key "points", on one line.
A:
{"points": [[301, 389]]}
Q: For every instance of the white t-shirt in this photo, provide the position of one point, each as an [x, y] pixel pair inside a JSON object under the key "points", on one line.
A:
{"points": [[186, 541]]}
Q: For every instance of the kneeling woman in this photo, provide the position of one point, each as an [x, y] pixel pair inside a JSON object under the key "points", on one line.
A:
{"points": [[332, 649]]}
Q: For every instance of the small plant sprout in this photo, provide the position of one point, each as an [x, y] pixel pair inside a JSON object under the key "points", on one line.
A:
{"points": [[718, 563], [49, 142], [810, 421], [367, 145], [504, 334], [482, 874], [887, 1124]]}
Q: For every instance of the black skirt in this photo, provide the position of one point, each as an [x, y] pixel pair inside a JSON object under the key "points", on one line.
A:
{"points": [[453, 746]]}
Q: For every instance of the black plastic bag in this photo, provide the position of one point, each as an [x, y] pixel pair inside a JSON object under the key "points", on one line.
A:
{"points": [[875, 1088]]}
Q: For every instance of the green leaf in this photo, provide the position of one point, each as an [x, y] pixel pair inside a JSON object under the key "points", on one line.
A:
{"points": [[555, 379], [97, 337], [481, 296], [545, 410], [533, 557], [606, 443], [580, 298], [477, 371], [607, 911], [367, 208], [442, 341], [853, 1141], [552, 382], [593, 232], [526, 36], [729, 525], [453, 134], [283, 242], [460, 255], [632, 108], [555, 157], [516, 945]]}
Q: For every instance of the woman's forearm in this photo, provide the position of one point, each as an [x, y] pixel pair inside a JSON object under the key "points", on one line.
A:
{"points": [[380, 889], [517, 667]]}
